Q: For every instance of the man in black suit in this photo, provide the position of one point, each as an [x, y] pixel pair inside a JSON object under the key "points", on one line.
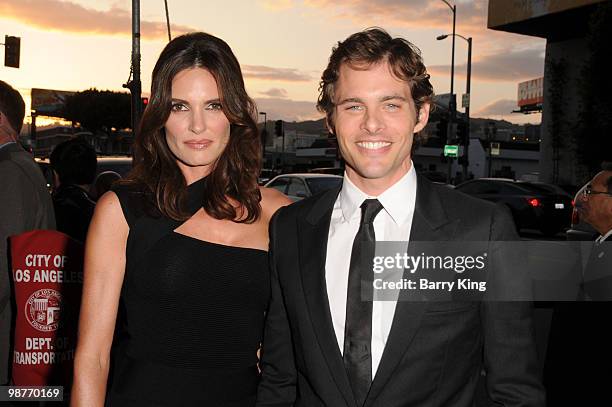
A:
{"points": [[324, 345], [595, 207], [579, 355]]}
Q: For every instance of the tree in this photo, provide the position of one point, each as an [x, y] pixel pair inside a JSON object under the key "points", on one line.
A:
{"points": [[99, 110]]}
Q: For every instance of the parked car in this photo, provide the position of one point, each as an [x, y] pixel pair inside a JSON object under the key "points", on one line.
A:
{"points": [[121, 165], [434, 176], [533, 205], [580, 230], [300, 186], [328, 170], [47, 171], [266, 175]]}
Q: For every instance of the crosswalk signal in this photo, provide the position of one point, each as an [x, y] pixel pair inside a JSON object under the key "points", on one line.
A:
{"points": [[278, 128], [462, 133], [12, 47], [442, 130]]}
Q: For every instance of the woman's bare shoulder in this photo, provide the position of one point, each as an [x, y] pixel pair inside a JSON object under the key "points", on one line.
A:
{"points": [[108, 210]]}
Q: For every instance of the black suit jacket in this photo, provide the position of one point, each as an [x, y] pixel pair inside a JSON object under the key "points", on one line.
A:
{"points": [[26, 205], [579, 355], [435, 350]]}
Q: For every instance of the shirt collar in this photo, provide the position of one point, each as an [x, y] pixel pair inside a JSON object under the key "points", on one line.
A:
{"points": [[398, 200], [602, 238], [7, 144]]}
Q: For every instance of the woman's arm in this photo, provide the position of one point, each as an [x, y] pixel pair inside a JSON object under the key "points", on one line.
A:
{"points": [[103, 277]]}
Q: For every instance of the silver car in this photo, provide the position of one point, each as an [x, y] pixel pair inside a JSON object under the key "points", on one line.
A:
{"points": [[300, 186]]}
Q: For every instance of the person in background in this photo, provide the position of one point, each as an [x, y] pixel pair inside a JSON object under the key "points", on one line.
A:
{"points": [[577, 369], [595, 205], [180, 246], [74, 165], [26, 205]]}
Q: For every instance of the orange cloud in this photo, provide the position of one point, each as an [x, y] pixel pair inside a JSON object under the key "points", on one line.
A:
{"points": [[287, 109], [497, 107], [511, 65], [276, 93], [66, 16], [274, 74], [276, 5], [404, 13], [425, 15]]}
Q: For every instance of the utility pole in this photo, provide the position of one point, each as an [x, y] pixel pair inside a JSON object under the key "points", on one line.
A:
{"points": [[134, 85], [466, 146], [452, 104], [466, 143]]}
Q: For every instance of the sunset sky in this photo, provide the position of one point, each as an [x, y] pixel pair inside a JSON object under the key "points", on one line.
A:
{"points": [[282, 45]]}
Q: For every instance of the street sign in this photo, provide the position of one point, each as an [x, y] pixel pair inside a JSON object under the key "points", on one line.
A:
{"points": [[465, 100], [495, 148], [451, 151]]}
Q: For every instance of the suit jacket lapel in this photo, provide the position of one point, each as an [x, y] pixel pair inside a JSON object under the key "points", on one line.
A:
{"points": [[429, 223], [313, 232]]}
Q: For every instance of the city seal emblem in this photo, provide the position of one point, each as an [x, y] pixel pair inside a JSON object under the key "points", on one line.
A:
{"points": [[43, 309]]}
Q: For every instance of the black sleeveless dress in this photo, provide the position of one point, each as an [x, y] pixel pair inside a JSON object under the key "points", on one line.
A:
{"points": [[191, 314]]}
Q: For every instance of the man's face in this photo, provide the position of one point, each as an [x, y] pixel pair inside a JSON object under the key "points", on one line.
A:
{"points": [[375, 120], [596, 209], [7, 133]]}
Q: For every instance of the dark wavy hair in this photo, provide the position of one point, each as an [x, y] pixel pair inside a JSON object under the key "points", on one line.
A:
{"points": [[372, 46], [233, 177], [12, 105], [74, 161]]}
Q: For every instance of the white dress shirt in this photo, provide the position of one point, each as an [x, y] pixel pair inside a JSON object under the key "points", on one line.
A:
{"points": [[603, 238], [393, 223]]}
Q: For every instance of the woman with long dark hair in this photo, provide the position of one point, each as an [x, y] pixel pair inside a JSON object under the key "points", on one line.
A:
{"points": [[178, 249]]}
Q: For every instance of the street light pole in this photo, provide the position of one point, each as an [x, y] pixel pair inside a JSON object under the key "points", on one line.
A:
{"points": [[466, 147], [134, 84], [467, 91], [451, 102]]}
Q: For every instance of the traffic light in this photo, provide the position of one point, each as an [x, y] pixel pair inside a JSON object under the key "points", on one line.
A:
{"points": [[442, 130], [278, 128], [144, 102], [462, 133], [12, 47]]}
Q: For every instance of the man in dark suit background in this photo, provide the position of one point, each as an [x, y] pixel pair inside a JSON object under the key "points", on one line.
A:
{"points": [[595, 207], [324, 345], [579, 354], [26, 204]]}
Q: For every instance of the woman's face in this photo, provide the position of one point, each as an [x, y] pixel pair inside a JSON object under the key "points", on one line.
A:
{"points": [[197, 130]]}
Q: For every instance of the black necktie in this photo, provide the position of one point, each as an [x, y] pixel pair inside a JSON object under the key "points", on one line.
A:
{"points": [[358, 325]]}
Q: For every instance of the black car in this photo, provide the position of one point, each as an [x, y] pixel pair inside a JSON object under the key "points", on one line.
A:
{"points": [[533, 205]]}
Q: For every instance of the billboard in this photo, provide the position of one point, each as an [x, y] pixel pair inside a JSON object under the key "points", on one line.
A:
{"points": [[531, 93], [49, 102]]}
